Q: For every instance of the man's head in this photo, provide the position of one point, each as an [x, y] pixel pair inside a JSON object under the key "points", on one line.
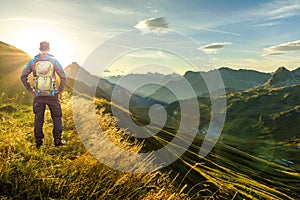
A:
{"points": [[44, 47]]}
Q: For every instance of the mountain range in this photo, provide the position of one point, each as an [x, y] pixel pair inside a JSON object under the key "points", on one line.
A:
{"points": [[234, 80]]}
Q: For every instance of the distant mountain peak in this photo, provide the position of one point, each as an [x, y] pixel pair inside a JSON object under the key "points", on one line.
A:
{"points": [[281, 70], [282, 74], [73, 66], [72, 70], [283, 77]]}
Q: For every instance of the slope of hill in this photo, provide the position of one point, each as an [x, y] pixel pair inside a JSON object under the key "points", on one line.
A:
{"points": [[12, 62], [260, 121], [264, 122], [226, 172], [283, 77], [71, 172], [297, 71], [68, 172]]}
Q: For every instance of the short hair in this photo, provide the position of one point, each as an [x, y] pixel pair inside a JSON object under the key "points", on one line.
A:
{"points": [[44, 46]]}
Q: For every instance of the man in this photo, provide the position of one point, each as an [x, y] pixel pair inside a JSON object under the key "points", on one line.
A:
{"points": [[44, 68]]}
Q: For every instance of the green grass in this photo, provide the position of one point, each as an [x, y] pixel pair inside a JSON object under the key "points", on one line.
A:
{"points": [[265, 122], [71, 172], [228, 172]]}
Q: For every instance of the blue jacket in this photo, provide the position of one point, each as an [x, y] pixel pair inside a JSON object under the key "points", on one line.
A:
{"points": [[57, 69]]}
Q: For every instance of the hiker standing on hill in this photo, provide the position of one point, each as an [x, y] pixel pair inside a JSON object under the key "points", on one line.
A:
{"points": [[44, 67]]}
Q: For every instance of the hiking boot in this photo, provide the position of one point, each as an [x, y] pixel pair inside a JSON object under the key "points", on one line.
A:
{"points": [[60, 143]]}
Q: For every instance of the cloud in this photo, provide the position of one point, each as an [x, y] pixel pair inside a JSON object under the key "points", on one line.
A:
{"points": [[153, 25], [277, 10], [263, 14], [217, 31], [214, 47], [282, 48], [273, 54], [152, 10], [267, 24], [283, 9], [117, 11]]}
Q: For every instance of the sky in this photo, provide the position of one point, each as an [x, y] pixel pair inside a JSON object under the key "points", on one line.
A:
{"points": [[259, 34]]}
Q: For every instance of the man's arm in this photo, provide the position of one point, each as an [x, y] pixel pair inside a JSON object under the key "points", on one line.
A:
{"points": [[62, 75], [24, 76]]}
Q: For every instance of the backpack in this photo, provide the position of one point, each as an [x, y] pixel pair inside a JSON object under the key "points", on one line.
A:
{"points": [[44, 83]]}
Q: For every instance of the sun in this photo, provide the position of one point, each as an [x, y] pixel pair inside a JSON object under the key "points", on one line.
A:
{"points": [[29, 40]]}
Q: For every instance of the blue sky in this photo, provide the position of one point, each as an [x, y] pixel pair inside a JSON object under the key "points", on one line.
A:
{"points": [[260, 35]]}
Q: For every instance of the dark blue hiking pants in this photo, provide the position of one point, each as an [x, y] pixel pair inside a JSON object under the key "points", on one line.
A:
{"points": [[39, 106]]}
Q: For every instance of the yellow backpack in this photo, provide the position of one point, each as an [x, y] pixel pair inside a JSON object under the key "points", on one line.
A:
{"points": [[44, 82]]}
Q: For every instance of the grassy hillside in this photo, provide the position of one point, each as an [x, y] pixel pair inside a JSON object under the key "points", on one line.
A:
{"points": [[227, 172], [265, 123], [72, 172], [12, 62], [69, 172]]}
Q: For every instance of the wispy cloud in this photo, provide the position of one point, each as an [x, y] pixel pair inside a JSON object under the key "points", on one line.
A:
{"points": [[284, 9], [218, 31], [282, 48], [277, 10], [262, 14], [214, 47], [267, 24], [117, 11], [272, 54], [152, 10], [153, 25]]}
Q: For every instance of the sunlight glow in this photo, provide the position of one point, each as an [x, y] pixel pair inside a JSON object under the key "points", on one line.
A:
{"points": [[29, 40]]}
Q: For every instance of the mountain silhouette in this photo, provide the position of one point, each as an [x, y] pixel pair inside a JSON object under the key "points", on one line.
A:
{"points": [[76, 72], [94, 86], [87, 83], [143, 84], [234, 80], [283, 77]]}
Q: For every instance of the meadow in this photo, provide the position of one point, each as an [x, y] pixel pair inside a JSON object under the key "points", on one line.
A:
{"points": [[71, 172]]}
